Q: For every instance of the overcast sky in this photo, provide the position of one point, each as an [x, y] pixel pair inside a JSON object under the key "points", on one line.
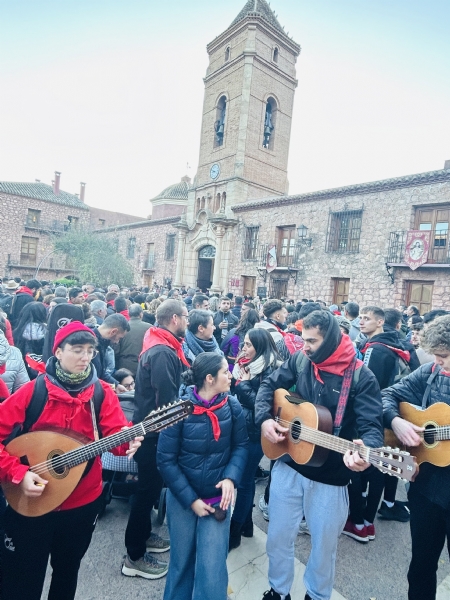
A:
{"points": [[110, 92]]}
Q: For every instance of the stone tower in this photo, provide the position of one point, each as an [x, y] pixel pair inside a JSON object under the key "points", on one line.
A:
{"points": [[247, 112]]}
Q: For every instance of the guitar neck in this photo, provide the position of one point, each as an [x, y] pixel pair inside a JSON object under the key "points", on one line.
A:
{"points": [[89, 451], [332, 442]]}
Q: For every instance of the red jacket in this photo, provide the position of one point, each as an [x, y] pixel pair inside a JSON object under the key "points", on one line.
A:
{"points": [[62, 410]]}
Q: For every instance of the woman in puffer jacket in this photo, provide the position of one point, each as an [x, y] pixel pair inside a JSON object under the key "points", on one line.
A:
{"points": [[12, 368], [202, 459], [257, 360]]}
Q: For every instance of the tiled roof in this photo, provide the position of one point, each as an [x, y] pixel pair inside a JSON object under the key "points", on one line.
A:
{"points": [[177, 191], [419, 179], [259, 8], [41, 191]]}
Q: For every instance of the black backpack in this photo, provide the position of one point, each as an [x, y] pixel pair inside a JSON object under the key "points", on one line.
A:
{"points": [[39, 400], [61, 315]]}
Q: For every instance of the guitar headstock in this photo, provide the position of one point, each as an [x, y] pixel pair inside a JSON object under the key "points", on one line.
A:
{"points": [[394, 462], [184, 406]]}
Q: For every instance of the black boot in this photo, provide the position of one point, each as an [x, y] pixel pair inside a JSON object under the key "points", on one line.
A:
{"points": [[235, 535], [247, 529], [308, 597], [273, 595]]}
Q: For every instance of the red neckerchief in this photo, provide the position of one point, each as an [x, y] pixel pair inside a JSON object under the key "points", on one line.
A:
{"points": [[33, 362], [125, 314], [24, 290], [446, 373], [200, 410], [277, 327], [339, 360], [402, 353], [156, 336]]}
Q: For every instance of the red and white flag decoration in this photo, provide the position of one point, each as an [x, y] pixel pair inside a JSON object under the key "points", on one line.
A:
{"points": [[416, 249], [271, 262]]}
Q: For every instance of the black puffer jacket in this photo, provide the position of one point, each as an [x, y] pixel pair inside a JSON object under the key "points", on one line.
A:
{"points": [[246, 394], [433, 482], [189, 459]]}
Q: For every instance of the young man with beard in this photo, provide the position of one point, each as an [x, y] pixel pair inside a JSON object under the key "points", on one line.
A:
{"points": [[224, 320], [429, 493], [318, 493], [158, 380]]}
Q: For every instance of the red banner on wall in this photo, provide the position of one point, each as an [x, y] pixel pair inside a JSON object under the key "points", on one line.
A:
{"points": [[416, 249]]}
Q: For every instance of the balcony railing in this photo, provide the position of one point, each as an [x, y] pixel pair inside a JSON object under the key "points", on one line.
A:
{"points": [[50, 225], [149, 263], [51, 263], [438, 252], [287, 257]]}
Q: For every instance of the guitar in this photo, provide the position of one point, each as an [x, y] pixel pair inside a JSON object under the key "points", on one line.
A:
{"points": [[435, 446], [60, 456], [309, 439]]}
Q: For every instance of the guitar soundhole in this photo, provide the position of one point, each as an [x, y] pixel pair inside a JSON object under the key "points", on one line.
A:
{"points": [[429, 435], [295, 429], [58, 470]]}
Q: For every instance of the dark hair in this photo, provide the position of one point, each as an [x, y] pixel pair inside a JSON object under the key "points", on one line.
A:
{"points": [[120, 304], [352, 309], [415, 319], [264, 346], [308, 308], [199, 299], [198, 317], [433, 314], [225, 299], [290, 307], [377, 312], [167, 309], [33, 284], [73, 292], [59, 300], [79, 338], [87, 313], [292, 318], [238, 300], [139, 298], [120, 374], [116, 321], [272, 306], [318, 318], [111, 296], [247, 321], [392, 317], [417, 326], [148, 317], [415, 310], [2, 324], [251, 305], [206, 363]]}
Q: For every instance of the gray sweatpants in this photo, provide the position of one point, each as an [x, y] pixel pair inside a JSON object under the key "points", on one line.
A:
{"points": [[325, 508]]}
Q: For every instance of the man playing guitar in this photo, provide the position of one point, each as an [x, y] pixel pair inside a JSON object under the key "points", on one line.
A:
{"points": [[429, 494], [327, 375]]}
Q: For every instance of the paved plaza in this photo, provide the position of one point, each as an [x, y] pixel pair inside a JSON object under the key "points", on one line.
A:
{"points": [[375, 571]]}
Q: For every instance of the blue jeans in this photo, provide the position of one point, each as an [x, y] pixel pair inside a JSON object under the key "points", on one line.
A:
{"points": [[246, 489], [198, 554], [325, 508]]}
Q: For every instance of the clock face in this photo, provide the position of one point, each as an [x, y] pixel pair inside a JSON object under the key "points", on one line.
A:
{"points": [[215, 171]]}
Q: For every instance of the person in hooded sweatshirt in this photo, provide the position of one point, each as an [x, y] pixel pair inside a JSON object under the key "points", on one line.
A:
{"points": [[63, 534], [381, 352]]}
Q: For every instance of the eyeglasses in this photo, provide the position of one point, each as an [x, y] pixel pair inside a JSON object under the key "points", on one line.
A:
{"points": [[128, 386], [185, 316], [79, 352]]}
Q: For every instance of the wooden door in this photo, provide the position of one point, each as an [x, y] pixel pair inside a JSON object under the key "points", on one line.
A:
{"points": [[204, 273], [340, 292], [249, 285], [286, 245], [420, 294], [278, 287]]}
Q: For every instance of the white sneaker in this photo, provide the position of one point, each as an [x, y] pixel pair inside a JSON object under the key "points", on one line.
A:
{"points": [[264, 507]]}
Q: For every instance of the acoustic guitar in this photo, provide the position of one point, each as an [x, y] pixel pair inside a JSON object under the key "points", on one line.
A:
{"points": [[60, 456], [310, 438], [435, 446]]}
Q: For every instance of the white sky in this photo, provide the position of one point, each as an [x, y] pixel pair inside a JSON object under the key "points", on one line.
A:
{"points": [[110, 92]]}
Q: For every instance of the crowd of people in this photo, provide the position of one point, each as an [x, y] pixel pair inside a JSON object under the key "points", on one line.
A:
{"points": [[66, 355]]}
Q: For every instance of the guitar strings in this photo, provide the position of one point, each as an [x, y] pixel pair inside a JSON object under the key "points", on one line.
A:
{"points": [[85, 453]]}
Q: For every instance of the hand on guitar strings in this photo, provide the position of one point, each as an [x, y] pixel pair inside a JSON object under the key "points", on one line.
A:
{"points": [[354, 461], [407, 432], [32, 485], [273, 431], [134, 444]]}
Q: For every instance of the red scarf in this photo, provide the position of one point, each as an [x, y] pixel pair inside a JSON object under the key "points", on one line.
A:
{"points": [[125, 314], [200, 410], [24, 290], [339, 360], [156, 336]]}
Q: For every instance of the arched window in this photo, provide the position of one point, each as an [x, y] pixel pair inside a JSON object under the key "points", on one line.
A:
{"points": [[275, 54], [224, 201], [270, 118], [216, 203], [197, 205], [219, 125], [202, 203], [227, 54]]}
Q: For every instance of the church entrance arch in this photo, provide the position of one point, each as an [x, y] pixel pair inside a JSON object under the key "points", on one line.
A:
{"points": [[206, 257]]}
